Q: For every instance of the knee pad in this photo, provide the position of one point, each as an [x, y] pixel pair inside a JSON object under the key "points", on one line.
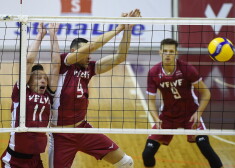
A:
{"points": [[206, 149], [150, 150], [125, 162]]}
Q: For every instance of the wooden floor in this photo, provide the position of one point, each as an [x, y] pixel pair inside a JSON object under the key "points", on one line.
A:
{"points": [[120, 107]]}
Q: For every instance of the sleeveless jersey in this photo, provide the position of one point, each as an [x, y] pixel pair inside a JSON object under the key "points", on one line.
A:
{"points": [[179, 101], [71, 98], [38, 108]]}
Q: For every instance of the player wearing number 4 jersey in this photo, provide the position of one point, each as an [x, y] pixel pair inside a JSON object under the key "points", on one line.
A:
{"points": [[24, 148], [176, 81], [71, 101]]}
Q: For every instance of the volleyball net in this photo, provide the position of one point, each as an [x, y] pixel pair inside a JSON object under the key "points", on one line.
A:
{"points": [[117, 100]]}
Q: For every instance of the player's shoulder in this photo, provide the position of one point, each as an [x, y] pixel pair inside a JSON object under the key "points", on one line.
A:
{"points": [[91, 65], [92, 62], [157, 67], [183, 65], [63, 54], [91, 68]]}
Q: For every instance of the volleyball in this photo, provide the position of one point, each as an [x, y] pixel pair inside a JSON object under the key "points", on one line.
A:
{"points": [[221, 49]]}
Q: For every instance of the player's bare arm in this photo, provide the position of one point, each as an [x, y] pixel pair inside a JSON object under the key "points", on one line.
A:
{"points": [[34, 48], [152, 108], [55, 56], [93, 45], [108, 62], [205, 96]]}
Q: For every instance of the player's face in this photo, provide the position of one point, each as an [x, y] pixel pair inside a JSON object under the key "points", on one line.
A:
{"points": [[168, 53], [38, 81], [83, 62]]}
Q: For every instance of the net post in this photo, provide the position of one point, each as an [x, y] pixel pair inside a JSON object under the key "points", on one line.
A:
{"points": [[23, 66]]}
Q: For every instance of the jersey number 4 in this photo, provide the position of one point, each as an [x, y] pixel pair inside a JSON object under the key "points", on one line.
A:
{"points": [[80, 90]]}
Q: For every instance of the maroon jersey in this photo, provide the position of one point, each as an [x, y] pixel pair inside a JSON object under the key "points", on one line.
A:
{"points": [[179, 99], [37, 115], [71, 98]]}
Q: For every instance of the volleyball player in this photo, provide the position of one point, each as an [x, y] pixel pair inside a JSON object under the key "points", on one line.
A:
{"points": [[71, 101], [176, 80], [25, 147]]}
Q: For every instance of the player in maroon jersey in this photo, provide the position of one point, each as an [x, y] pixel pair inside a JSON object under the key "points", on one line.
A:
{"points": [[25, 147], [180, 108], [71, 101]]}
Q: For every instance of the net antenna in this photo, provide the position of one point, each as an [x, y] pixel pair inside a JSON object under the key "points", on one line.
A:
{"points": [[21, 4], [138, 116]]}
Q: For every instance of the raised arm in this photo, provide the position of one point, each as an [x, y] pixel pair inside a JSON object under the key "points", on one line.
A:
{"points": [[55, 57], [84, 51], [33, 50], [108, 62]]}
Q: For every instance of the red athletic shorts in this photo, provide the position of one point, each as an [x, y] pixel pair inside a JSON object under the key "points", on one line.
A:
{"points": [[166, 139], [14, 162], [64, 146]]}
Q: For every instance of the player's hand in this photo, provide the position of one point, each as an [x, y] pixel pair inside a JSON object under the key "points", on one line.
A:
{"points": [[195, 119], [53, 28], [122, 26], [133, 13], [41, 30], [158, 123], [124, 14]]}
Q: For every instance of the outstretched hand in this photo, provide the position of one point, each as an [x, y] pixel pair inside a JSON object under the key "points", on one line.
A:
{"points": [[53, 28], [133, 13], [42, 30]]}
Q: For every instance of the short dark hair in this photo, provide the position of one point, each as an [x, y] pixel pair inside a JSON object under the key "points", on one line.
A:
{"points": [[169, 41], [75, 43], [37, 67]]}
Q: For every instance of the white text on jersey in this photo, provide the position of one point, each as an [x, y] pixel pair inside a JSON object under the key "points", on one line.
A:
{"points": [[81, 74], [176, 83], [39, 99]]}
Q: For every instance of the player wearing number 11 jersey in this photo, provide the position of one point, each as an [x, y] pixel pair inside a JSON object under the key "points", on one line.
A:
{"points": [[176, 81], [24, 148]]}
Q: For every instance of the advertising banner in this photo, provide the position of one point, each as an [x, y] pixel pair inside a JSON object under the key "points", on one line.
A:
{"points": [[200, 35], [142, 35], [218, 76]]}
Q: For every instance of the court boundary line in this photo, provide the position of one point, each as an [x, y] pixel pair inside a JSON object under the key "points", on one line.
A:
{"points": [[223, 140], [140, 93]]}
